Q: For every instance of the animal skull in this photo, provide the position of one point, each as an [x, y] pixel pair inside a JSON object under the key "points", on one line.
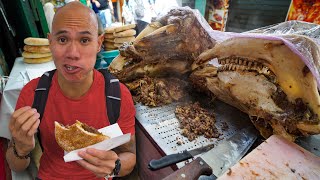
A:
{"points": [[168, 45], [265, 79]]}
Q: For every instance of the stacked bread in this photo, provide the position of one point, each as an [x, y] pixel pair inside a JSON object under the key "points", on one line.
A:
{"points": [[36, 50], [114, 37]]}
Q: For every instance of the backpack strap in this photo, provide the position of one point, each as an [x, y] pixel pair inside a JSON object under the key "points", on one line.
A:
{"points": [[113, 96], [112, 92], [41, 95]]}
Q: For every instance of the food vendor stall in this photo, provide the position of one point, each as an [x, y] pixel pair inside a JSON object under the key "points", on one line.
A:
{"points": [[184, 73]]}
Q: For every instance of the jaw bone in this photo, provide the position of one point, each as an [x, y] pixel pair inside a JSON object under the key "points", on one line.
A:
{"points": [[265, 79], [170, 44]]}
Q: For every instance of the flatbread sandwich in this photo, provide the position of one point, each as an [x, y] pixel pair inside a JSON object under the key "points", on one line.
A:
{"points": [[77, 136]]}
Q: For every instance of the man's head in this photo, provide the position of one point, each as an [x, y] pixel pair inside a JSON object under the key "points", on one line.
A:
{"points": [[74, 42]]}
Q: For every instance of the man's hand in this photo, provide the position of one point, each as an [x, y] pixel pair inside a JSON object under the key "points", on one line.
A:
{"points": [[23, 125], [100, 162], [96, 3]]}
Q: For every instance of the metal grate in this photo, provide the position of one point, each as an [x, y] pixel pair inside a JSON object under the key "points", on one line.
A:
{"points": [[162, 125]]}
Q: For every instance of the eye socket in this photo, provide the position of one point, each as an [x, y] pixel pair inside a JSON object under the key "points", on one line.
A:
{"points": [[85, 40], [62, 40]]}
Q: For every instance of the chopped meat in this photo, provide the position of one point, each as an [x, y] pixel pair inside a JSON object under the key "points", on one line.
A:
{"points": [[196, 121], [90, 129], [157, 91]]}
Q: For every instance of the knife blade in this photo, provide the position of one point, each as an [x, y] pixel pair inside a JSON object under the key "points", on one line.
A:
{"points": [[228, 153], [223, 156], [168, 160]]}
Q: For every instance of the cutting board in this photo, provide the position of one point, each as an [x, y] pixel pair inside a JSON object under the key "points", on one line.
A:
{"points": [[276, 158]]}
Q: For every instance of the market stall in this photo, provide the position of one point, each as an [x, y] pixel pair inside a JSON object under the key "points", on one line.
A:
{"points": [[214, 93]]}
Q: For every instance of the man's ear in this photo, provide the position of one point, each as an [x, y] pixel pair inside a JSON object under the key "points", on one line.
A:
{"points": [[100, 40], [49, 37]]}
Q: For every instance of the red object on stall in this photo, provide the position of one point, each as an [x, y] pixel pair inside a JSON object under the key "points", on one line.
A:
{"points": [[304, 10], [218, 14]]}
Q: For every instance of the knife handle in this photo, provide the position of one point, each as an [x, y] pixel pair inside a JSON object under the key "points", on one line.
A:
{"points": [[192, 170], [168, 160]]}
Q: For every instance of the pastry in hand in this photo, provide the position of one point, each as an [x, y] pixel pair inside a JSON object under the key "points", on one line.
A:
{"points": [[77, 136]]}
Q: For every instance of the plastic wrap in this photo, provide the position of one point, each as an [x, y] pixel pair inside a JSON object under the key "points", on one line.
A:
{"points": [[292, 27], [301, 37]]}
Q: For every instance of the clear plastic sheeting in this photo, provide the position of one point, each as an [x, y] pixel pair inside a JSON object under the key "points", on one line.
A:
{"points": [[292, 27], [301, 37]]}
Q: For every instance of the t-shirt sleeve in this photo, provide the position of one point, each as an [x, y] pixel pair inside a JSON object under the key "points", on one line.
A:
{"points": [[27, 94], [127, 111]]}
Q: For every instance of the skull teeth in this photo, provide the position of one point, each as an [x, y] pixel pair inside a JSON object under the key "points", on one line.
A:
{"points": [[242, 64]]}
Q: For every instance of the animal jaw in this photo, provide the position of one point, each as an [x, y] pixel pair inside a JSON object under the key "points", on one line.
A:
{"points": [[264, 79]]}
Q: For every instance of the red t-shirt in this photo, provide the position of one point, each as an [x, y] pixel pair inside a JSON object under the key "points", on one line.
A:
{"points": [[90, 109]]}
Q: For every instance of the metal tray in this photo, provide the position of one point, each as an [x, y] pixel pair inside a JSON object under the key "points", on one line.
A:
{"points": [[162, 125]]}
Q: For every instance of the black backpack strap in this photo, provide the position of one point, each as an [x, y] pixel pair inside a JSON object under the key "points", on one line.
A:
{"points": [[113, 96], [41, 95]]}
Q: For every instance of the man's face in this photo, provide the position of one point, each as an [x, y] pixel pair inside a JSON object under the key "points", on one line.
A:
{"points": [[74, 44]]}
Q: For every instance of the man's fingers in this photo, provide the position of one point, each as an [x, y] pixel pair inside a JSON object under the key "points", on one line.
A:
{"points": [[34, 128], [18, 113], [96, 161], [99, 158], [20, 120], [102, 154], [99, 171], [29, 122]]}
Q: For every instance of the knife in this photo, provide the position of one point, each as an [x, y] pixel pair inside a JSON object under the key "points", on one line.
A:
{"points": [[168, 160], [223, 156]]}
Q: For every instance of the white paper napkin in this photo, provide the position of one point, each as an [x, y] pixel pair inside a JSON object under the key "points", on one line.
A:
{"points": [[117, 138]]}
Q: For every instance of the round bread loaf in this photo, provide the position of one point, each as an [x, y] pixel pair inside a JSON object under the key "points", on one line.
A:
{"points": [[118, 44], [126, 33], [125, 27], [26, 54], [109, 44], [36, 41], [37, 49], [109, 40], [109, 29], [108, 36], [37, 60], [124, 39]]}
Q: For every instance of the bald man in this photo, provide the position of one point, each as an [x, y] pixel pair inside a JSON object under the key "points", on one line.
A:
{"points": [[77, 92]]}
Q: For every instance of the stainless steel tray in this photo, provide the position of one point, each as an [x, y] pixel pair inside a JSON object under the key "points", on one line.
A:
{"points": [[162, 125]]}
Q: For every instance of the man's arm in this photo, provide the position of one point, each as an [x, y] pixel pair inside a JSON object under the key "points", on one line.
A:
{"points": [[127, 156], [110, 6], [14, 162], [97, 3], [23, 125]]}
